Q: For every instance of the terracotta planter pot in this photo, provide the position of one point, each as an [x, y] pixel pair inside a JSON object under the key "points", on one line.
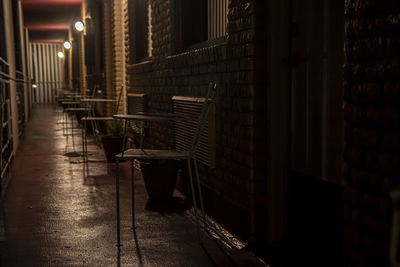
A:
{"points": [[159, 178], [112, 145]]}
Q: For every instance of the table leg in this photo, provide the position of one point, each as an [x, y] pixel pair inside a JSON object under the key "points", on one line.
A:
{"points": [[133, 194], [72, 130], [117, 200]]}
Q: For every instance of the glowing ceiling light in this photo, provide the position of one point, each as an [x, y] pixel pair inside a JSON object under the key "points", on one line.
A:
{"points": [[60, 54], [79, 26], [67, 45]]}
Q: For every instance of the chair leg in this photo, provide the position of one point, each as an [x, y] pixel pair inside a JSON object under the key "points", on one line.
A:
{"points": [[194, 198], [199, 187], [133, 194], [66, 126], [63, 122], [72, 131], [83, 143], [117, 200], [85, 152], [124, 138]]}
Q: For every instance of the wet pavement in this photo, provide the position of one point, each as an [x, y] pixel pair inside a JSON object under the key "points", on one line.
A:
{"points": [[55, 213]]}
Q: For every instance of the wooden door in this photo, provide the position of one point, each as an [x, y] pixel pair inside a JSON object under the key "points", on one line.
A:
{"points": [[316, 33]]}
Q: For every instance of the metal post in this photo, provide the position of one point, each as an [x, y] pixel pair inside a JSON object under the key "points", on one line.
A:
{"points": [[133, 194], [117, 200]]}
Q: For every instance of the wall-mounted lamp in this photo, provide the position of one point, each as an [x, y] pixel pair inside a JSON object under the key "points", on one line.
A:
{"points": [[67, 45], [60, 54], [79, 26], [34, 86]]}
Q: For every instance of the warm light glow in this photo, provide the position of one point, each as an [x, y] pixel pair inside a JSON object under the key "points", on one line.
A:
{"points": [[67, 45], [34, 86], [60, 54], [79, 26]]}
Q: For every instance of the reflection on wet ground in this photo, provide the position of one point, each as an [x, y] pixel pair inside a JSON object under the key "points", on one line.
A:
{"points": [[57, 213]]}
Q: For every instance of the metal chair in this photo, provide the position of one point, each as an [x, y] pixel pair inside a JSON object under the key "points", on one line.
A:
{"points": [[153, 154], [93, 119]]}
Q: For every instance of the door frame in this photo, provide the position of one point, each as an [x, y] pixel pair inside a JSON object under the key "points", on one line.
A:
{"points": [[278, 115]]}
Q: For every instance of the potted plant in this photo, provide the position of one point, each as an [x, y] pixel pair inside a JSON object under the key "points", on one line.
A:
{"points": [[160, 180], [113, 140], [159, 177]]}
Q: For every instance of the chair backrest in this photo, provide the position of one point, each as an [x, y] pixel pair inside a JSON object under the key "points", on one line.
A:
{"points": [[116, 107], [93, 95], [210, 98]]}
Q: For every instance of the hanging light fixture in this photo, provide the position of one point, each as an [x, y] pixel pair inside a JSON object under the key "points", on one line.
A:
{"points": [[60, 54], [34, 86], [79, 26], [67, 45]]}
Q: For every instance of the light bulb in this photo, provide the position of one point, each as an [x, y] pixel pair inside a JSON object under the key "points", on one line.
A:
{"points": [[79, 26], [67, 45], [60, 54]]}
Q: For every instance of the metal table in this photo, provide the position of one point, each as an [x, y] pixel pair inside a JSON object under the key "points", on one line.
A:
{"points": [[93, 119], [143, 117]]}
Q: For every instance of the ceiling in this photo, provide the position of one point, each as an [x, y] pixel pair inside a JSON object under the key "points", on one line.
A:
{"points": [[48, 21]]}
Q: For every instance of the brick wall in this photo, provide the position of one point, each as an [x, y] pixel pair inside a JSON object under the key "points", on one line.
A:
{"points": [[372, 131], [231, 186]]}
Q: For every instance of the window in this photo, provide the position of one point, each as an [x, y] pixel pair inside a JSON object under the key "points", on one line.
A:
{"points": [[142, 43], [3, 49], [201, 20]]}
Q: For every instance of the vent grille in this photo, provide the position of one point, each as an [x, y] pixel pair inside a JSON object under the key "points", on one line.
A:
{"points": [[185, 130]]}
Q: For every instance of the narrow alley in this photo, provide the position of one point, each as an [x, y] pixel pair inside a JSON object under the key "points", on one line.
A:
{"points": [[54, 214]]}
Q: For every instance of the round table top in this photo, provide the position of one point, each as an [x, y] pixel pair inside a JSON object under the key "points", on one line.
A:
{"points": [[70, 102], [97, 100], [146, 116]]}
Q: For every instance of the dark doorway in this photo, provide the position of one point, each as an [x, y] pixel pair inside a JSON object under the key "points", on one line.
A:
{"points": [[314, 186]]}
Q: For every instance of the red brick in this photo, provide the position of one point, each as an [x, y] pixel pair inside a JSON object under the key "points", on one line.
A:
{"points": [[366, 180], [375, 247], [346, 174], [365, 136], [392, 92], [367, 93], [372, 160], [347, 133], [371, 203], [365, 48], [388, 163], [353, 156], [387, 230], [358, 259], [352, 236], [392, 22], [367, 7], [375, 69], [393, 46], [391, 69], [352, 196], [346, 90], [390, 117], [347, 213], [352, 113], [386, 207], [373, 115], [391, 140], [390, 183], [366, 221], [353, 71]]}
